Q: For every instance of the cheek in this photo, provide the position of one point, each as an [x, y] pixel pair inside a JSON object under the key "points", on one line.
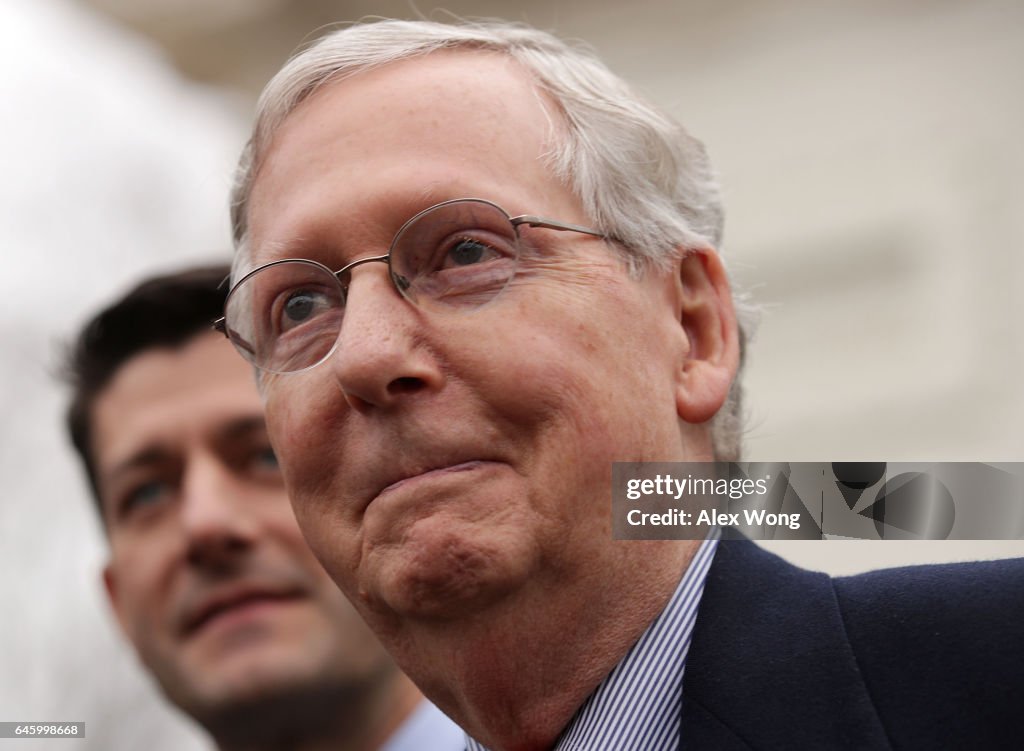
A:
{"points": [[305, 429], [581, 396], [595, 384], [141, 597], [285, 410], [325, 552], [299, 422]]}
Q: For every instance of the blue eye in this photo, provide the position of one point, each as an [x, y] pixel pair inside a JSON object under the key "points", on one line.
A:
{"points": [[467, 252], [145, 494], [266, 458], [260, 464], [299, 307]]}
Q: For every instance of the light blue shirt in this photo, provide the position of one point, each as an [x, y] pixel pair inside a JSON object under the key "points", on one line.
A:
{"points": [[638, 706]]}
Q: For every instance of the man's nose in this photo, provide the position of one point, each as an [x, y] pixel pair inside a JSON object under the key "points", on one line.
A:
{"points": [[218, 524], [382, 355]]}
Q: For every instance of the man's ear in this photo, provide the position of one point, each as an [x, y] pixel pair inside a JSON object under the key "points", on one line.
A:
{"points": [[110, 586], [706, 312]]}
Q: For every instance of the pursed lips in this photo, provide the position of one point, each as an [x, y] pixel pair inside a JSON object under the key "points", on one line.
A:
{"points": [[437, 471]]}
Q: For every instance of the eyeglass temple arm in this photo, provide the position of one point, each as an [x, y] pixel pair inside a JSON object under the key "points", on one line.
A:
{"points": [[539, 221], [221, 325]]}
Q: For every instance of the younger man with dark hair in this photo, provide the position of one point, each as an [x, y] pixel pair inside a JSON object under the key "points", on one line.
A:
{"points": [[209, 575]]}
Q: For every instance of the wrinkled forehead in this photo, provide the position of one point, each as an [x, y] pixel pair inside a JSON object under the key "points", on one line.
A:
{"points": [[398, 136]]}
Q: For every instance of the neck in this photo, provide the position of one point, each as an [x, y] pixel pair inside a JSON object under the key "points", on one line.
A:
{"points": [[329, 720], [515, 678]]}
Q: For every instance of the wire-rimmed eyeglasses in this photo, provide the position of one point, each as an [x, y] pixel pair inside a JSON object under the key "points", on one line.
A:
{"points": [[285, 316]]}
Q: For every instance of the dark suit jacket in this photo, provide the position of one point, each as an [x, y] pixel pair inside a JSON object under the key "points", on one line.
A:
{"points": [[925, 657]]}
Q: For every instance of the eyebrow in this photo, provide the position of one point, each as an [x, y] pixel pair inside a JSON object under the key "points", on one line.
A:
{"points": [[242, 427], [145, 457], [155, 453], [274, 250]]}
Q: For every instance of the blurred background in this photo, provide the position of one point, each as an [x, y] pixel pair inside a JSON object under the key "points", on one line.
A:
{"points": [[873, 172]]}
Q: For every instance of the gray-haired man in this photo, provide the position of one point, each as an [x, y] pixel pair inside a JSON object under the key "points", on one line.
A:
{"points": [[504, 276]]}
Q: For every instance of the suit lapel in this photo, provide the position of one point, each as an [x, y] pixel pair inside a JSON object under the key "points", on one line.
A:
{"points": [[769, 666]]}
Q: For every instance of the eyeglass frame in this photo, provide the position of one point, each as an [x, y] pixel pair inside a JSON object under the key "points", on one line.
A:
{"points": [[530, 220]]}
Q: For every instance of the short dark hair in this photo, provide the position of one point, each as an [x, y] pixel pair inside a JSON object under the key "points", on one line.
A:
{"points": [[161, 311]]}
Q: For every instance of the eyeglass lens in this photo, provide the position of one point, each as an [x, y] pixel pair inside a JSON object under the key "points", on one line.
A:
{"points": [[286, 316]]}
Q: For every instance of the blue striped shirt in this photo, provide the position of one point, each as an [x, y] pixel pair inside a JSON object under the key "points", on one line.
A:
{"points": [[638, 706]]}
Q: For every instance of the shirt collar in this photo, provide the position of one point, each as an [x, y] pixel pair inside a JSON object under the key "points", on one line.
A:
{"points": [[639, 704]]}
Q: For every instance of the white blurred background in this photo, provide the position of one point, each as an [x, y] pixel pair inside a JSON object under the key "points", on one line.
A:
{"points": [[873, 167]]}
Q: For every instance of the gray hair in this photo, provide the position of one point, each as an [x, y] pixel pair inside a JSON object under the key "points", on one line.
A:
{"points": [[640, 176]]}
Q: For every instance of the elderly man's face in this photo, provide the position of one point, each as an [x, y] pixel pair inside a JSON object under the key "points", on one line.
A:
{"points": [[440, 461]]}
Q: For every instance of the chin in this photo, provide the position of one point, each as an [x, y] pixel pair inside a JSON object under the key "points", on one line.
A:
{"points": [[443, 571], [243, 677], [248, 701]]}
